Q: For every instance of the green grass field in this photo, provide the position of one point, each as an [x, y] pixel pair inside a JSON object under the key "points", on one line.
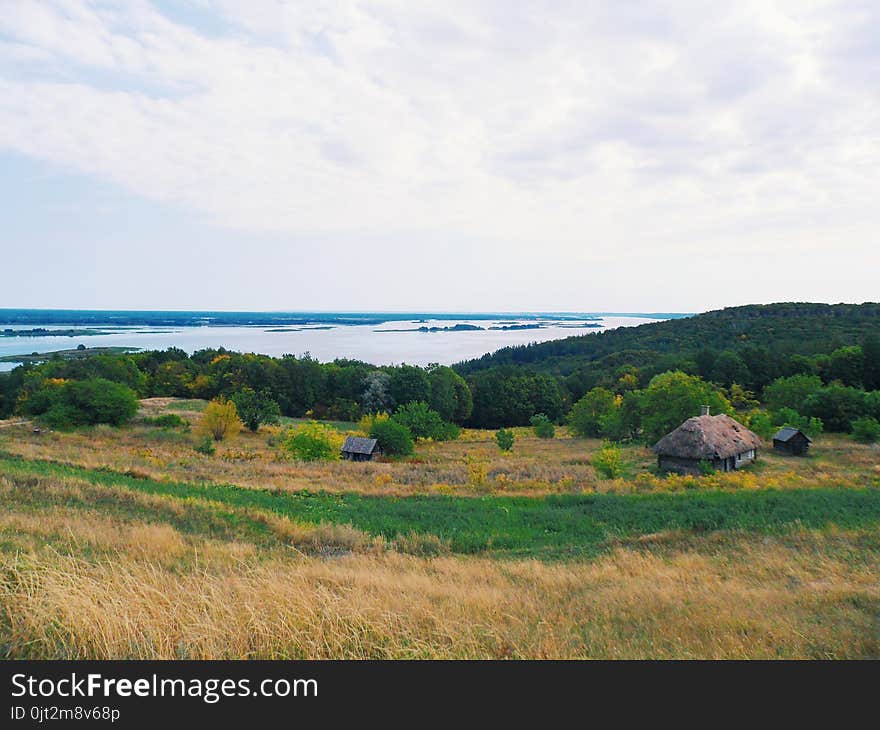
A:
{"points": [[552, 526]]}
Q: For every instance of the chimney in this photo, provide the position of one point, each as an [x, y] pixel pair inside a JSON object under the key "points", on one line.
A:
{"points": [[704, 410]]}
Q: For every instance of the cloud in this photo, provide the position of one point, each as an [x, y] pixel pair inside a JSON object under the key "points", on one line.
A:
{"points": [[577, 127]]}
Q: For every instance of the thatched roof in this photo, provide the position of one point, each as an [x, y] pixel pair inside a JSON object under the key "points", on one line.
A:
{"points": [[786, 433], [708, 437], [358, 445]]}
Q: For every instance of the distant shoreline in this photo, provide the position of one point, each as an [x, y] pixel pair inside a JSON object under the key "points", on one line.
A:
{"points": [[71, 318]]}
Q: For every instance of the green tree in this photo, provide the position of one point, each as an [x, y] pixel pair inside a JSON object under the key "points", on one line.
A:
{"points": [[837, 405], [872, 404], [810, 425], [847, 364], [762, 424], [871, 366], [866, 429], [586, 415], [504, 438], [394, 438], [63, 404], [673, 397], [255, 409], [425, 423], [729, 368], [409, 383], [623, 423], [450, 394], [542, 426], [791, 392]]}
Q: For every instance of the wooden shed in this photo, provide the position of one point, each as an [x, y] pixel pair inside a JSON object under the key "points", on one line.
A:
{"points": [[719, 441], [791, 441], [357, 448]]}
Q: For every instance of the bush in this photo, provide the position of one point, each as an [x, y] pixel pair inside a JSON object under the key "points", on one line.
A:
{"points": [[394, 438], [425, 423], [543, 426], [478, 472], [314, 441], [63, 404], [219, 420], [504, 438], [206, 446], [866, 429], [168, 420], [608, 461], [255, 408]]}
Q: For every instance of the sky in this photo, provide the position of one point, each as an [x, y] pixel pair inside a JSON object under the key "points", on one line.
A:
{"points": [[456, 156]]}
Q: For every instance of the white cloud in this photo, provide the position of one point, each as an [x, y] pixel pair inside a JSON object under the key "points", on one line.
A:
{"points": [[577, 128]]}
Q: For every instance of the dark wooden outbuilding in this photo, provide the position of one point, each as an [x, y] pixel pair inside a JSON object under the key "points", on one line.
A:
{"points": [[718, 441], [791, 441], [357, 448]]}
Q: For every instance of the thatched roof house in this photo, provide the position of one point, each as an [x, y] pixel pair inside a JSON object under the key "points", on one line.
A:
{"points": [[720, 441], [792, 441], [357, 448]]}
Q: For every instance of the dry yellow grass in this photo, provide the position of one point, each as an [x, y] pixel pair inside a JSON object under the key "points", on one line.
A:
{"points": [[536, 466], [730, 599], [96, 571]]}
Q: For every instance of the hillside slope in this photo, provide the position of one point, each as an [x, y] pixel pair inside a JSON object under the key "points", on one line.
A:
{"points": [[803, 328]]}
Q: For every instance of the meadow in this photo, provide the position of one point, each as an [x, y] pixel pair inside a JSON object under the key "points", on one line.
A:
{"points": [[126, 543]]}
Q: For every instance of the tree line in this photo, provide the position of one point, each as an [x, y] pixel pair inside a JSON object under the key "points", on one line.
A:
{"points": [[631, 393]]}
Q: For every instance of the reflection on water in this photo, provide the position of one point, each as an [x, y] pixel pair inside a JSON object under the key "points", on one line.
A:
{"points": [[370, 343]]}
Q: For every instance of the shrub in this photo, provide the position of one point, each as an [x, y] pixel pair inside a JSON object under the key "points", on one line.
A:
{"points": [[478, 472], [706, 468], [608, 461], [314, 441], [255, 408], [543, 426], [206, 446], [394, 438], [866, 429], [447, 432], [504, 438], [168, 420], [425, 423], [219, 420], [63, 404]]}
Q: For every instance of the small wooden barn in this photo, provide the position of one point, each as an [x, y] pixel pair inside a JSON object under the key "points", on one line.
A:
{"points": [[719, 441], [791, 441], [357, 448]]}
